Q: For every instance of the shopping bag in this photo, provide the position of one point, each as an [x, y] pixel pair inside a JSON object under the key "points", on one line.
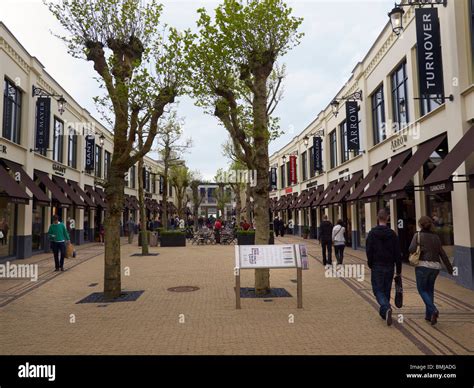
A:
{"points": [[70, 251], [398, 292]]}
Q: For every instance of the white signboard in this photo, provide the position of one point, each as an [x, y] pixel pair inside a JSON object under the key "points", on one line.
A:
{"points": [[265, 256]]}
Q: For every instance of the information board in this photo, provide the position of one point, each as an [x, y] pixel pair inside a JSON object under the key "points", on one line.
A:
{"points": [[265, 256]]}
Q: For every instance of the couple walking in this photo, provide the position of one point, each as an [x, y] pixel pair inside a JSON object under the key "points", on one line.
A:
{"points": [[384, 258], [330, 235]]}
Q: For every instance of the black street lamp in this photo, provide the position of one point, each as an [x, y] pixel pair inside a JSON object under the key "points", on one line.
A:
{"points": [[396, 14], [39, 92], [102, 140], [356, 96]]}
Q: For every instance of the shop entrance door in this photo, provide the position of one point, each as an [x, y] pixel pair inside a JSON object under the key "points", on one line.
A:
{"points": [[313, 223], [346, 218], [406, 223]]}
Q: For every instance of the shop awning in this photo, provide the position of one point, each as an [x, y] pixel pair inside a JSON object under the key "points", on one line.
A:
{"points": [[11, 189], [101, 192], [72, 195], [377, 185], [443, 173], [368, 178], [335, 190], [302, 198], [396, 188], [340, 197], [133, 201], [323, 195], [313, 196], [287, 202], [55, 190], [94, 195], [75, 186], [279, 203], [39, 195], [293, 201]]}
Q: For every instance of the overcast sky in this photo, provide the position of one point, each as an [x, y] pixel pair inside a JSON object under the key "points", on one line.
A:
{"points": [[338, 33]]}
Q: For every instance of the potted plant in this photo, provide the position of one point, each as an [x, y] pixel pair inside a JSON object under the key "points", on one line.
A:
{"points": [[245, 237], [172, 238], [305, 232]]}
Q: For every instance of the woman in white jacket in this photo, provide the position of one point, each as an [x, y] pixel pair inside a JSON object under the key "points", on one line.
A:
{"points": [[339, 241]]}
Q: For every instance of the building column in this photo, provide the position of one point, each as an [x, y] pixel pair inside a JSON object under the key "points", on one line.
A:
{"points": [[24, 240], [354, 227], [79, 230]]}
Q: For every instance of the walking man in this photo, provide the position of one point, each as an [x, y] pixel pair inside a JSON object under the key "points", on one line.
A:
{"points": [[131, 230], [276, 226], [325, 239], [58, 236], [383, 253]]}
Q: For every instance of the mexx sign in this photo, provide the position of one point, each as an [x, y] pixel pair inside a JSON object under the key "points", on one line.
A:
{"points": [[428, 37]]}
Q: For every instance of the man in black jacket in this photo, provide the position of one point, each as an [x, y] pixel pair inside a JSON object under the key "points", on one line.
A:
{"points": [[383, 253], [325, 239]]}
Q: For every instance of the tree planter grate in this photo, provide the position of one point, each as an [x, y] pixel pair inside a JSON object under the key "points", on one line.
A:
{"points": [[142, 255], [98, 297], [183, 289], [247, 292]]}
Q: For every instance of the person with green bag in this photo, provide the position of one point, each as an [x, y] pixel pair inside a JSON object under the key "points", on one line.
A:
{"points": [[58, 236]]}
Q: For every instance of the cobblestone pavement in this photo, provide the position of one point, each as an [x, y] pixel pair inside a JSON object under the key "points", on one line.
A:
{"points": [[339, 315]]}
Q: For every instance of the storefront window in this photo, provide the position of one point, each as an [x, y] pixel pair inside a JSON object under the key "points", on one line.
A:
{"points": [[378, 115], [400, 96], [7, 227], [439, 208], [11, 112], [333, 149], [58, 140], [37, 228], [361, 225]]}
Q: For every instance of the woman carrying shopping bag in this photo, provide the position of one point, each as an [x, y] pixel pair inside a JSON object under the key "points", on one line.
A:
{"points": [[428, 256]]}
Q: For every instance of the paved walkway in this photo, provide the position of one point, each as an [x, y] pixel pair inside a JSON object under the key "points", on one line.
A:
{"points": [[339, 315]]}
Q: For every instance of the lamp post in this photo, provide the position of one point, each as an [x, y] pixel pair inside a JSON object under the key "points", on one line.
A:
{"points": [[39, 92], [356, 96], [102, 140], [396, 14]]}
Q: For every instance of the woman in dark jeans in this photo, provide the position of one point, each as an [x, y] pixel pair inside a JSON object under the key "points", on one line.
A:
{"points": [[427, 270]]}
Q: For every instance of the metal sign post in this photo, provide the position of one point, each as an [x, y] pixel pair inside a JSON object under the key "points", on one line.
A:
{"points": [[268, 257]]}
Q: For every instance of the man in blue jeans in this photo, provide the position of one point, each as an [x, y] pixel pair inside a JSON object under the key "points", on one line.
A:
{"points": [[383, 254], [59, 236]]}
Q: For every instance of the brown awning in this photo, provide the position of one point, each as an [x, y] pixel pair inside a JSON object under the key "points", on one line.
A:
{"points": [[398, 184], [280, 202], [323, 195], [461, 151], [75, 186], [347, 187], [11, 189], [313, 196], [294, 200], [368, 178], [72, 195], [302, 198], [95, 196], [334, 191], [39, 195], [56, 192], [374, 188]]}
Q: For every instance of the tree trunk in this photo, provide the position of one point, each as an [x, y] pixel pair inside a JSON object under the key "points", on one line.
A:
{"points": [[238, 203], [141, 201], [260, 192], [114, 194], [165, 196]]}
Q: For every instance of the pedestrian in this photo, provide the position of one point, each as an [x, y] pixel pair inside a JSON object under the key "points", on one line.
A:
{"points": [[4, 228], [217, 230], [276, 226], [427, 270], [245, 225], [339, 240], [131, 230], [58, 237], [325, 239], [102, 233], [383, 254], [282, 228]]}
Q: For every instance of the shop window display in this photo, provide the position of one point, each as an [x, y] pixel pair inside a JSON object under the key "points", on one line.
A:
{"points": [[7, 227]]}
